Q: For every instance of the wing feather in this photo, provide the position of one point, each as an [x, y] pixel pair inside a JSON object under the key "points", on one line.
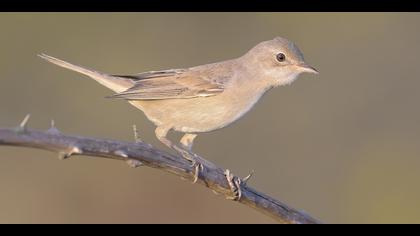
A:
{"points": [[153, 74], [171, 84]]}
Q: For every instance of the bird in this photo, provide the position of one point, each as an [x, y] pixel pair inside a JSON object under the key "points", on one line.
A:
{"points": [[203, 98]]}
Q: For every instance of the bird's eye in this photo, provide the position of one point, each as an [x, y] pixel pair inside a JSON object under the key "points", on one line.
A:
{"points": [[281, 57]]}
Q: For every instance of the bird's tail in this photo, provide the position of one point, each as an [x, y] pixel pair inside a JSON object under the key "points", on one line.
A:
{"points": [[116, 84]]}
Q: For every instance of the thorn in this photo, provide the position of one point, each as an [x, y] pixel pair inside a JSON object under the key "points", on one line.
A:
{"points": [[245, 180], [137, 138], [23, 125], [25, 121], [131, 162], [134, 163], [76, 150], [121, 153], [64, 155], [52, 129]]}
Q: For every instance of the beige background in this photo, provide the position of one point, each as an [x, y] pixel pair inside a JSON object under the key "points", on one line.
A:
{"points": [[343, 145]]}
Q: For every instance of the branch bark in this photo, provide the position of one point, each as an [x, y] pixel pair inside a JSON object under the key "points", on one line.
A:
{"points": [[140, 153]]}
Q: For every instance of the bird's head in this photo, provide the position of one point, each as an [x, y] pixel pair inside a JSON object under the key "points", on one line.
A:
{"points": [[277, 61]]}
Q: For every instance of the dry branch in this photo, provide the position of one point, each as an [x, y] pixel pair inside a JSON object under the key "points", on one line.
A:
{"points": [[140, 153]]}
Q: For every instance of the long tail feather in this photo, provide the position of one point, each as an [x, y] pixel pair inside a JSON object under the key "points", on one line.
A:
{"points": [[117, 84]]}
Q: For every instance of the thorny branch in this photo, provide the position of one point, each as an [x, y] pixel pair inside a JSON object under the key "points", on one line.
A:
{"points": [[140, 153]]}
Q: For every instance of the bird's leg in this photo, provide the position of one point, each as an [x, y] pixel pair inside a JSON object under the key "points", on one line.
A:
{"points": [[187, 141], [161, 133]]}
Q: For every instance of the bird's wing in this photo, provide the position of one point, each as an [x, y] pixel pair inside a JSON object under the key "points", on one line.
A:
{"points": [[172, 84], [153, 74]]}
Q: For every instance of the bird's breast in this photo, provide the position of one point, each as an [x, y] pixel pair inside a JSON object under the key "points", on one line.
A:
{"points": [[201, 114]]}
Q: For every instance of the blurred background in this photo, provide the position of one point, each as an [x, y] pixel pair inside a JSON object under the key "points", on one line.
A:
{"points": [[342, 145]]}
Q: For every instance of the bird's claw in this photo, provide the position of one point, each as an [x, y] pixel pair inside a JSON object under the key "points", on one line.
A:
{"points": [[236, 183], [195, 163], [198, 167], [235, 186]]}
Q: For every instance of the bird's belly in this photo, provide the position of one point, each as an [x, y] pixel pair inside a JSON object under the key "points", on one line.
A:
{"points": [[202, 114]]}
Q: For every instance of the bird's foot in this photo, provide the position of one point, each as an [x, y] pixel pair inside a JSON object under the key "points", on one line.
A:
{"points": [[235, 184], [196, 165]]}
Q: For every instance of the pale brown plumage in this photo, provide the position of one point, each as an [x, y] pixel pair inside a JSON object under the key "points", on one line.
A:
{"points": [[206, 97], [170, 84]]}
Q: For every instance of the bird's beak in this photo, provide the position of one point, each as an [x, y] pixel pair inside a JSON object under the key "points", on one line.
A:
{"points": [[307, 68]]}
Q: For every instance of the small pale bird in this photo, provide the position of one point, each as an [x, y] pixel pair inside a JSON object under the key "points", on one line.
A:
{"points": [[206, 97]]}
